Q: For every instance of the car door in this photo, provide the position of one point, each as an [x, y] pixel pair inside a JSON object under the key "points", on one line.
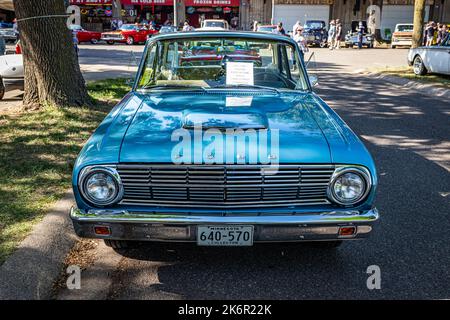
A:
{"points": [[437, 58]]}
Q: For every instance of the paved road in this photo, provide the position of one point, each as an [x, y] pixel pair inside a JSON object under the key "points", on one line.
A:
{"points": [[409, 137]]}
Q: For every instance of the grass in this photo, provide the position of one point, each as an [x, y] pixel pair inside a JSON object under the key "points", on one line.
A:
{"points": [[37, 152], [407, 72]]}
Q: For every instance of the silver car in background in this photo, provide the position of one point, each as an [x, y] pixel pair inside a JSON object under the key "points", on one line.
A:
{"points": [[432, 59]]}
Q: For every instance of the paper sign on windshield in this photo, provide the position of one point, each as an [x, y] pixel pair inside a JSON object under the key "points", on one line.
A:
{"points": [[240, 73]]}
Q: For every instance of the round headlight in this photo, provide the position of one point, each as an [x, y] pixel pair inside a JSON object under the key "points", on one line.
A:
{"points": [[100, 186], [349, 186]]}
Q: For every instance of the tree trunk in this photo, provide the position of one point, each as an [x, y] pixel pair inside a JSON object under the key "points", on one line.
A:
{"points": [[52, 72], [419, 14]]}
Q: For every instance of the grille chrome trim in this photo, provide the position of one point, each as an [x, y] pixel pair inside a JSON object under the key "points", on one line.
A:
{"points": [[224, 186]]}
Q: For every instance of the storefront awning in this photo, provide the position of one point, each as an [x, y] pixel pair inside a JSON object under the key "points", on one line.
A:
{"points": [[148, 2], [212, 3], [92, 2]]}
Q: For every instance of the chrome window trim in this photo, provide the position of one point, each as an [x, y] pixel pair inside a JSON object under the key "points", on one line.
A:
{"points": [[110, 170], [362, 171]]}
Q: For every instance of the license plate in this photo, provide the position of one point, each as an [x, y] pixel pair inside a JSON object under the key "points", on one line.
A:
{"points": [[225, 235]]}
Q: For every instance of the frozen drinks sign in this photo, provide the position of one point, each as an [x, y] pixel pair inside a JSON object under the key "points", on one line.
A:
{"points": [[212, 3]]}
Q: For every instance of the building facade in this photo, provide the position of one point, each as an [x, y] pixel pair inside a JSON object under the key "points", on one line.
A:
{"points": [[98, 14]]}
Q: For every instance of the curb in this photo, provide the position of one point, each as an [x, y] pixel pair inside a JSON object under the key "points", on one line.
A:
{"points": [[30, 272], [431, 90]]}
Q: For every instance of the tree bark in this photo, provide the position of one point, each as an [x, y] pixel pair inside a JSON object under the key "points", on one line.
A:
{"points": [[52, 73], [419, 15]]}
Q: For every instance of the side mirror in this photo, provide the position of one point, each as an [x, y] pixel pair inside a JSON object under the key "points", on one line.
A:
{"points": [[129, 82], [313, 80]]}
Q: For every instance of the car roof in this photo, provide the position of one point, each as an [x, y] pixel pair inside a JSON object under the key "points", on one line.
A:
{"points": [[223, 34]]}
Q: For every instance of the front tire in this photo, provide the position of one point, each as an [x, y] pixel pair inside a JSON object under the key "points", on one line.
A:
{"points": [[130, 41], [94, 41], [110, 42], [419, 67]]}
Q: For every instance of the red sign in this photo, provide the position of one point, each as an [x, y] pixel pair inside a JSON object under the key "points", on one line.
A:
{"points": [[95, 2], [148, 2], [212, 3]]}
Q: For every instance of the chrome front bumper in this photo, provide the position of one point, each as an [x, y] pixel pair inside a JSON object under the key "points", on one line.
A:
{"points": [[126, 225]]}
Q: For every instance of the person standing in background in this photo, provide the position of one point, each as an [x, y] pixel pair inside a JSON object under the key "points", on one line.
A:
{"points": [[431, 28], [361, 31], [301, 41], [331, 35], [338, 34], [296, 25], [16, 29], [442, 33]]}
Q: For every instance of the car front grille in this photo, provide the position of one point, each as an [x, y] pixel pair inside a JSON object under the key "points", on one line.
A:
{"points": [[224, 186]]}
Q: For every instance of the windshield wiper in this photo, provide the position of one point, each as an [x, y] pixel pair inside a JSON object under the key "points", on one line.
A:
{"points": [[172, 86], [245, 86]]}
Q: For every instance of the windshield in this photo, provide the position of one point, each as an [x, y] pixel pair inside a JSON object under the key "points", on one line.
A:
{"points": [[128, 27], [226, 62], [266, 29], [405, 27], [314, 25], [214, 24]]}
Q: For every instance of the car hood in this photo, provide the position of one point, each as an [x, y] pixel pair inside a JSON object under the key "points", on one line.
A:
{"points": [[151, 136]]}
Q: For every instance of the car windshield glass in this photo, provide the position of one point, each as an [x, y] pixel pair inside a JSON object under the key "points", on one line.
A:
{"points": [[219, 63], [127, 27], [405, 27], [214, 24], [314, 25], [266, 29]]}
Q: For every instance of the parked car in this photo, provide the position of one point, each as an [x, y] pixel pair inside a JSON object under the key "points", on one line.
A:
{"points": [[432, 59], [269, 28], [8, 34], [84, 35], [214, 24], [351, 38], [11, 73], [168, 29], [402, 35], [315, 33], [129, 34], [139, 178]]}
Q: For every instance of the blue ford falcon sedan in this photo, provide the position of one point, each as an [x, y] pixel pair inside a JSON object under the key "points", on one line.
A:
{"points": [[223, 142]]}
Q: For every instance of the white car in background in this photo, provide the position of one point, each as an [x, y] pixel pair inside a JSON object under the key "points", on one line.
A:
{"points": [[11, 73], [432, 59], [214, 25]]}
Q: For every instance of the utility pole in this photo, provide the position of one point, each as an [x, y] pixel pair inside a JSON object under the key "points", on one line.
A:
{"points": [[272, 21], [175, 13]]}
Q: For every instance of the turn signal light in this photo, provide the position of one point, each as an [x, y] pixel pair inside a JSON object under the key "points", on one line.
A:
{"points": [[102, 230], [347, 231]]}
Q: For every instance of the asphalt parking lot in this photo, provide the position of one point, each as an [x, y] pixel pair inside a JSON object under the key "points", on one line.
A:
{"points": [[409, 136]]}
